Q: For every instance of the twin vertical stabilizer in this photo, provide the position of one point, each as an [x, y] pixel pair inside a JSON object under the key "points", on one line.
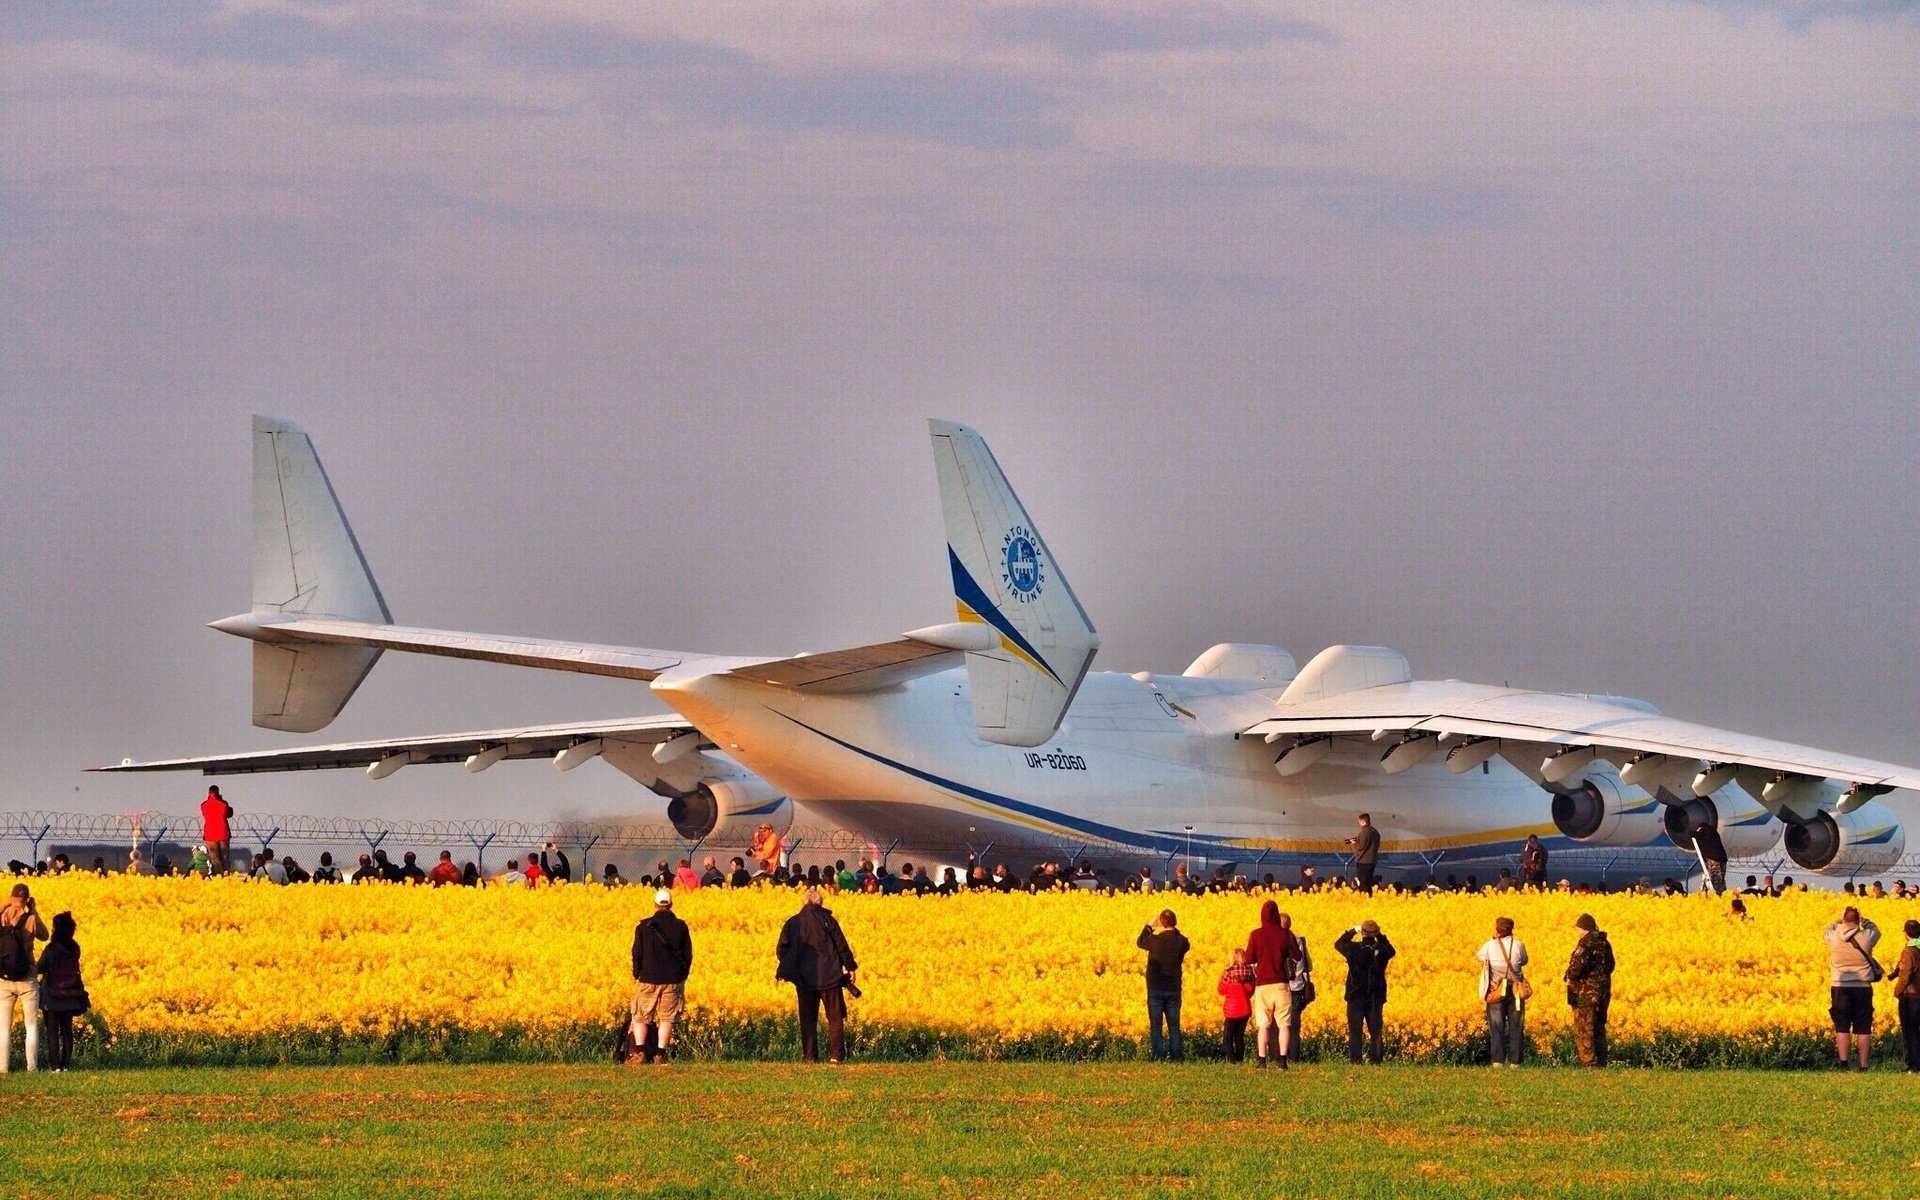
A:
{"points": [[1005, 578]]}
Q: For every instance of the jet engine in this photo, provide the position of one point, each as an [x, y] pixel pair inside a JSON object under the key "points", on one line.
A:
{"points": [[1867, 839], [1746, 828], [1602, 811], [733, 808]]}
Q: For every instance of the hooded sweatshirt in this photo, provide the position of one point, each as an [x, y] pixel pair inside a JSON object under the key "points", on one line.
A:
{"points": [[1271, 950]]}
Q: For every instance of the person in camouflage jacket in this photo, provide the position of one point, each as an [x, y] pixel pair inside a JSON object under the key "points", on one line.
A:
{"points": [[1590, 990]]}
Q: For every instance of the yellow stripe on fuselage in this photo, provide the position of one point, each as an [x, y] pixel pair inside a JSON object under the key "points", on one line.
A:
{"points": [[1399, 846]]}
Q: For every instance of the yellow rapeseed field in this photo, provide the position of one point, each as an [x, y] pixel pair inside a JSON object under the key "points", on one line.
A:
{"points": [[211, 959]]}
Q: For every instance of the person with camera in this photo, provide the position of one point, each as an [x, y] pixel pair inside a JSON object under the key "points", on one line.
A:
{"points": [[20, 928], [216, 831], [1166, 949], [1366, 852], [1504, 990], [1367, 952], [814, 957], [1850, 942]]}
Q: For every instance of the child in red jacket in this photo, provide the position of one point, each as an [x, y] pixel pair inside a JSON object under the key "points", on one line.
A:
{"points": [[1236, 1004]]}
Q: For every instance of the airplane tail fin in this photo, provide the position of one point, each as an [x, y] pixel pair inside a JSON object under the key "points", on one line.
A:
{"points": [[307, 563], [1005, 578]]}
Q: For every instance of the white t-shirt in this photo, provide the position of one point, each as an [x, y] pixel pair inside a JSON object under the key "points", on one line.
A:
{"points": [[1496, 954]]}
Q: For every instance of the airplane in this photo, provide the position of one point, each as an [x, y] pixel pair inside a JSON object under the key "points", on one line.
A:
{"points": [[992, 727]]}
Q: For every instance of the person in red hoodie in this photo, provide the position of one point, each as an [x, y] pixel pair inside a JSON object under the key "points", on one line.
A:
{"points": [[215, 812], [1236, 1004], [1273, 953], [444, 873]]}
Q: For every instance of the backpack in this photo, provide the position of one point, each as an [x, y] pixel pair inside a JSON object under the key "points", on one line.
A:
{"points": [[16, 954]]}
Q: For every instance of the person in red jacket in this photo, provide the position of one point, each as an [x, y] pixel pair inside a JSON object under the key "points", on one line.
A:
{"points": [[444, 873], [1273, 953], [215, 812], [1236, 1004]]}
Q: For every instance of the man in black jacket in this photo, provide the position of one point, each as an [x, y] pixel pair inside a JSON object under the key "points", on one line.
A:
{"points": [[662, 957], [815, 958], [1705, 837], [1166, 949], [1367, 958], [1366, 853]]}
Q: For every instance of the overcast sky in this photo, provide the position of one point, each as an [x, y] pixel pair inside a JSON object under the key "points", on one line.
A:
{"points": [[1567, 344]]}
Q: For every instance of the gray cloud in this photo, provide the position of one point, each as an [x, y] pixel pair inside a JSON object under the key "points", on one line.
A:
{"points": [[1368, 201], [1404, 206], [1084, 30], [400, 42], [1589, 374], [1804, 14], [955, 105]]}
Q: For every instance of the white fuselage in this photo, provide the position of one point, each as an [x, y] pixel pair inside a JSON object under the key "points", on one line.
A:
{"points": [[1133, 766]]}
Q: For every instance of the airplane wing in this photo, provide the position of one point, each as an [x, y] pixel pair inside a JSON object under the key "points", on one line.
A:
{"points": [[1620, 730], [534, 741]]}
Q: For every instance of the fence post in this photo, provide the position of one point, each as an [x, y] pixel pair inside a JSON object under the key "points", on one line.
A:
{"points": [[27, 832], [479, 850], [586, 848]]}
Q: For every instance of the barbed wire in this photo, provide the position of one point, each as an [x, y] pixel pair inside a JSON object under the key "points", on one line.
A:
{"points": [[53, 830]]}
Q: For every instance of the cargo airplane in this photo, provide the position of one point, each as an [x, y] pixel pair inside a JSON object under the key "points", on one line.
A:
{"points": [[991, 726]]}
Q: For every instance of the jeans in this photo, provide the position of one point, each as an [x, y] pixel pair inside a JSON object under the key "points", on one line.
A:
{"points": [[1505, 1024], [29, 996], [1367, 1013], [1164, 1005], [61, 1026]]}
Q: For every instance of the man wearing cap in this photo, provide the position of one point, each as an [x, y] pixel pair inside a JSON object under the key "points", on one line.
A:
{"points": [[20, 927], [1367, 952], [1590, 990], [815, 958], [662, 957]]}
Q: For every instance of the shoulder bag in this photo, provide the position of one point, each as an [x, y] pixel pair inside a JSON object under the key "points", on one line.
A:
{"points": [[1522, 990], [1875, 972]]}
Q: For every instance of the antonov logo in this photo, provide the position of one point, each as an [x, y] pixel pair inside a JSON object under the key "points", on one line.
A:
{"points": [[1022, 574]]}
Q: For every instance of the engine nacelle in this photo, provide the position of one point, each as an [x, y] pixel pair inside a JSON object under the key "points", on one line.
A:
{"points": [[733, 808], [1746, 828], [1602, 811], [1867, 839]]}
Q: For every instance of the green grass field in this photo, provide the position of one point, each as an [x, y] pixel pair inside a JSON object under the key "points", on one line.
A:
{"points": [[693, 1129]]}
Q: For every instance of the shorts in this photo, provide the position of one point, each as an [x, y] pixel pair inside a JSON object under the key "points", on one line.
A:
{"points": [[658, 1003], [1272, 1005], [1852, 1010]]}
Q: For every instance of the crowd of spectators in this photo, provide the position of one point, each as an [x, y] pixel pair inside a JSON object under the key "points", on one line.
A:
{"points": [[871, 874]]}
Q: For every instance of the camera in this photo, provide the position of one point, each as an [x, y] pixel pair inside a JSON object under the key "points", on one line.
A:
{"points": [[853, 989]]}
